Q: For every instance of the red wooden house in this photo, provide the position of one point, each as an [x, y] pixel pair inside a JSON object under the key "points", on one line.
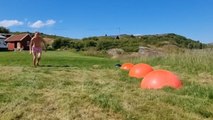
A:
{"points": [[18, 42]]}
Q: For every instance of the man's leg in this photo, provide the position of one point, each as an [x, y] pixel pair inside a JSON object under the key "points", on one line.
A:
{"points": [[39, 58], [34, 59]]}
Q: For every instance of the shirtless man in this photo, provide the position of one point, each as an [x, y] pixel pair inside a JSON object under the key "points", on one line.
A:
{"points": [[36, 48]]}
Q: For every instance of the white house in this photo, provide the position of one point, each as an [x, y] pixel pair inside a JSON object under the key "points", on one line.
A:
{"points": [[3, 44]]}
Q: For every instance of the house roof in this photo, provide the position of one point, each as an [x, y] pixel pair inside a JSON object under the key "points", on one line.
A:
{"points": [[18, 37]]}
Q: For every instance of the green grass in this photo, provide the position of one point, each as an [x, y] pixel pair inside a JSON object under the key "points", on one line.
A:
{"points": [[55, 59], [72, 86], [192, 62]]}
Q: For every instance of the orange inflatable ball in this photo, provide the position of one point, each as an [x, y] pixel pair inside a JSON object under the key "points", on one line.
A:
{"points": [[140, 70], [127, 66], [160, 78]]}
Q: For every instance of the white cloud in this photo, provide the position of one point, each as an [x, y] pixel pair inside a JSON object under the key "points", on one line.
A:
{"points": [[40, 24], [9, 23], [50, 22]]}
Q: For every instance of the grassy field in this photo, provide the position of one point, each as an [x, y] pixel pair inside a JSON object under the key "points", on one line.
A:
{"points": [[71, 86]]}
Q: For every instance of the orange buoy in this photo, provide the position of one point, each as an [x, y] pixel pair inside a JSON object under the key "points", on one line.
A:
{"points": [[127, 66], [140, 70], [160, 78]]}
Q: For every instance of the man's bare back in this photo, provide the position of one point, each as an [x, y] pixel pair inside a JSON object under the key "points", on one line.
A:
{"points": [[37, 42]]}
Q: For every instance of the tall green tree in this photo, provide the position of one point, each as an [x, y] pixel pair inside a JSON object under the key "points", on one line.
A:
{"points": [[4, 30]]}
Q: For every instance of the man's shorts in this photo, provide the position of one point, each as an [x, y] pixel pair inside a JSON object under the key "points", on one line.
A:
{"points": [[37, 50]]}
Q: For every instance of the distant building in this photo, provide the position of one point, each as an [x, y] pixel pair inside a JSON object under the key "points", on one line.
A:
{"points": [[3, 45], [18, 42], [6, 35]]}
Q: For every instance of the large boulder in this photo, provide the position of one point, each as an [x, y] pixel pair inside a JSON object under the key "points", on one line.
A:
{"points": [[145, 51], [115, 52]]}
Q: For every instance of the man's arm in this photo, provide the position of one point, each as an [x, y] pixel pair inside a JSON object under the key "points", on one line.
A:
{"points": [[31, 44], [45, 45]]}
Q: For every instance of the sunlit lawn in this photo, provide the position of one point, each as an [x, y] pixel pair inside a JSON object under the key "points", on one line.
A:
{"points": [[68, 85]]}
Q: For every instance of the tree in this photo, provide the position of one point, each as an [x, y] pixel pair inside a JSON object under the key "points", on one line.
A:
{"points": [[200, 46], [90, 43], [79, 45], [190, 46], [4, 30], [58, 43]]}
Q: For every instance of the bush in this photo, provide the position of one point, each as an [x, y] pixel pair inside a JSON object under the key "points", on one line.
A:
{"points": [[58, 43], [50, 48], [79, 45]]}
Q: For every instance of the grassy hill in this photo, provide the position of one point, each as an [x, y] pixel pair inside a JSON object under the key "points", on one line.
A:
{"points": [[210, 45], [129, 43], [68, 85]]}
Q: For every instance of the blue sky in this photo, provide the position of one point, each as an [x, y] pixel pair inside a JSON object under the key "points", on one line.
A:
{"points": [[83, 18]]}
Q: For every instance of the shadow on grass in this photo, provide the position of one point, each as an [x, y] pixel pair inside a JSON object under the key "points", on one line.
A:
{"points": [[49, 65]]}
